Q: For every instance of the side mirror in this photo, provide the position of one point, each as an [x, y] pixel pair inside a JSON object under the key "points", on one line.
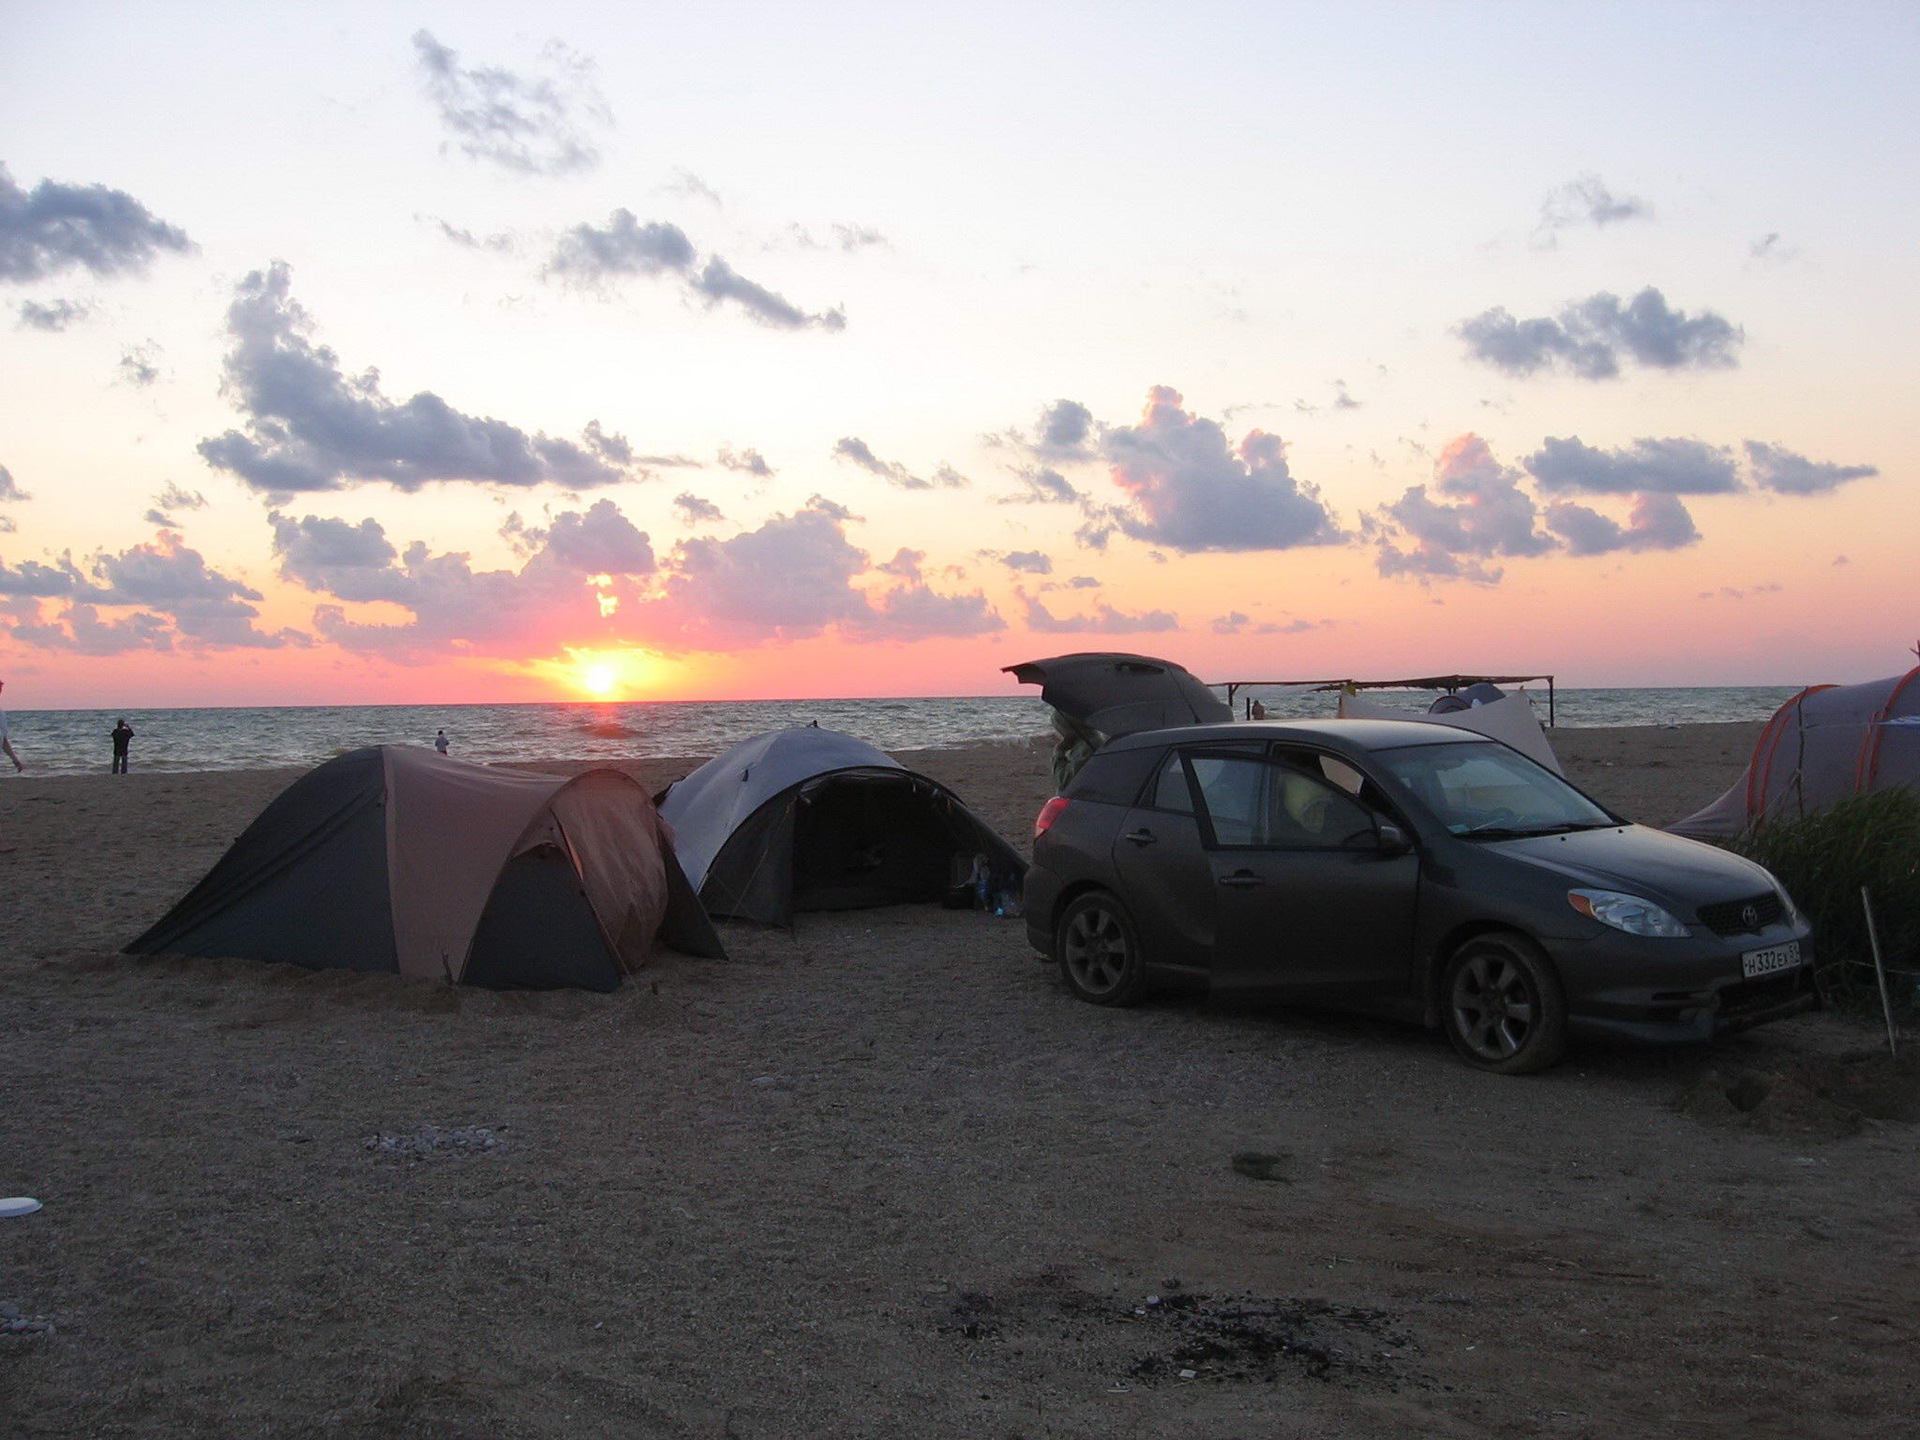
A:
{"points": [[1393, 840]]}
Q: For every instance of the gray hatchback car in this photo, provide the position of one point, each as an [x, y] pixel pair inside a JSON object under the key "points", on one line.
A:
{"points": [[1408, 870]]}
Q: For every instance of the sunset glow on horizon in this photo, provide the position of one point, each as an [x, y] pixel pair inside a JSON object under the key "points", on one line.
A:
{"points": [[361, 354]]}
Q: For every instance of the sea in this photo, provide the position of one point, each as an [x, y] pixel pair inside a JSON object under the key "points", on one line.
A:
{"points": [[74, 742]]}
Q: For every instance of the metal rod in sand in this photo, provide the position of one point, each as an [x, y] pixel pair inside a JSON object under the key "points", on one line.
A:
{"points": [[1879, 970]]}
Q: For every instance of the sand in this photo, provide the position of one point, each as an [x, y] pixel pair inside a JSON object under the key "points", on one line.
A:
{"points": [[880, 1176]]}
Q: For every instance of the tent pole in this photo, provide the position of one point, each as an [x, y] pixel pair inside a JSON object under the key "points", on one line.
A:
{"points": [[1879, 970]]}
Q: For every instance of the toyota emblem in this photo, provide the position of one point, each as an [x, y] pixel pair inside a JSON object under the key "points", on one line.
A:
{"points": [[1750, 916]]}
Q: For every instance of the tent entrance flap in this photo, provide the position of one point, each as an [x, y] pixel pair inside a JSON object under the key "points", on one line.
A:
{"points": [[538, 932], [870, 840]]}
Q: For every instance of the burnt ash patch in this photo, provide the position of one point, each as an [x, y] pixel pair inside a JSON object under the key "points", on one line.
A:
{"points": [[1261, 1341], [1189, 1337]]}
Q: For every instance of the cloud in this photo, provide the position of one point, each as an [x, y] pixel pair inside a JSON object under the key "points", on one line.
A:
{"points": [[718, 281], [1594, 335], [749, 462], [173, 498], [137, 367], [1776, 468], [792, 577], [1043, 487], [9, 487], [336, 557], [1585, 200], [854, 238], [1656, 522], [178, 596], [500, 243], [1188, 490], [1668, 467], [694, 510], [1475, 512], [56, 227], [857, 452], [915, 611], [54, 316], [1083, 582], [1065, 431], [1105, 620], [788, 579], [1232, 623], [1770, 249], [583, 575], [30, 579], [848, 239], [311, 427], [1030, 562], [524, 124], [594, 255], [623, 247], [689, 186], [7, 526]]}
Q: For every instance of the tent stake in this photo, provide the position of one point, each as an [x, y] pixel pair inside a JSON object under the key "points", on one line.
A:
{"points": [[1879, 970]]}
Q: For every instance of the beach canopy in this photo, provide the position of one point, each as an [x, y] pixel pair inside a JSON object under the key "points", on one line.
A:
{"points": [[1119, 694], [397, 859], [1826, 743], [1509, 719], [810, 819]]}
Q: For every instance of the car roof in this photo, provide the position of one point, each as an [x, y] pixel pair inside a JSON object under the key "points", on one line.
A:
{"points": [[1340, 734]]}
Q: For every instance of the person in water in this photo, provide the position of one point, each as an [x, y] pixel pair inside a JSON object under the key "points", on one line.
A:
{"points": [[440, 742], [122, 735]]}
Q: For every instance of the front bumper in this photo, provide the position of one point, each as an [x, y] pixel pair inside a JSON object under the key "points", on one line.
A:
{"points": [[1620, 989]]}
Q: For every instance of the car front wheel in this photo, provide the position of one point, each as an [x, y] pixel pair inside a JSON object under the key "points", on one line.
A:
{"points": [[1503, 1006], [1099, 950]]}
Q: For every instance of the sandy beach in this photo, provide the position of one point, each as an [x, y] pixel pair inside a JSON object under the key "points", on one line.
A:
{"points": [[881, 1176]]}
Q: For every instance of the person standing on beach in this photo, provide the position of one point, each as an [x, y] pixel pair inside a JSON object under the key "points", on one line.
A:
{"points": [[122, 734], [6, 748], [440, 742]]}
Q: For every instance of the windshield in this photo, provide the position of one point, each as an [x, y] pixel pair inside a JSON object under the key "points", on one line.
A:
{"points": [[1491, 792]]}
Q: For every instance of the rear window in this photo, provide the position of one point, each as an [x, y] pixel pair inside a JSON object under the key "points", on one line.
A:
{"points": [[1114, 777]]}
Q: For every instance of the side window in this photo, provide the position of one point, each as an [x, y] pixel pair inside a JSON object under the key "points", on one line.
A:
{"points": [[1231, 788], [1272, 804], [1170, 790], [1342, 774], [1307, 813], [1113, 777]]}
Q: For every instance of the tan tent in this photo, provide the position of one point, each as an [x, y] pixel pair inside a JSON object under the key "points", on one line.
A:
{"points": [[398, 859], [1826, 743]]}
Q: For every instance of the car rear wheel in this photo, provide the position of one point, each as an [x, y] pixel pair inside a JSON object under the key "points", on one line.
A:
{"points": [[1099, 950], [1503, 1006]]}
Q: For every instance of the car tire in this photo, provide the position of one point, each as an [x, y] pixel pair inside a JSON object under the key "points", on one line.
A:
{"points": [[1502, 1005], [1097, 947]]}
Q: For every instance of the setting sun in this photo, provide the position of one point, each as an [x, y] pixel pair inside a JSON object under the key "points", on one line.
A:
{"points": [[599, 679]]}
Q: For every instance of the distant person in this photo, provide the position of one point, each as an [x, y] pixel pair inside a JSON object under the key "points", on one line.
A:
{"points": [[440, 742], [6, 748], [122, 737], [1257, 711]]}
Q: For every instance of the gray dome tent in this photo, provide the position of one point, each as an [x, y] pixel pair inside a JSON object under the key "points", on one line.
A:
{"points": [[397, 859], [1826, 743], [810, 819]]}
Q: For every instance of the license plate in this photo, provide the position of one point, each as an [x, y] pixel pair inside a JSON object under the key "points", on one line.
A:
{"points": [[1771, 960]]}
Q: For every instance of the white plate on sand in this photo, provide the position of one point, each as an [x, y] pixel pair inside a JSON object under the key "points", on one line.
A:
{"points": [[18, 1205]]}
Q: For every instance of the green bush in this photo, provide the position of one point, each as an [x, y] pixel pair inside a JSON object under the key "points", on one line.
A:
{"points": [[1824, 859]]}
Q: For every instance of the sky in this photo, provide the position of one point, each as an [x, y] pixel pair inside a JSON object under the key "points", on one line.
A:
{"points": [[446, 353]]}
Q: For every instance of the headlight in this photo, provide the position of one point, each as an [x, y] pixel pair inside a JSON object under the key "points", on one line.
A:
{"points": [[1626, 912]]}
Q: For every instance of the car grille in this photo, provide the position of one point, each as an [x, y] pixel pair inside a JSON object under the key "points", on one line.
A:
{"points": [[1743, 917]]}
